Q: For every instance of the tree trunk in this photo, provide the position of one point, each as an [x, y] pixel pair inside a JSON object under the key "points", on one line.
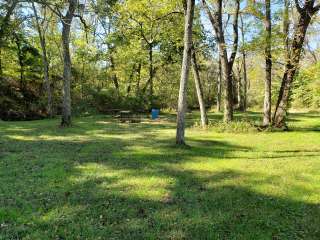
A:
{"points": [[66, 23], [240, 87], [139, 78], [268, 56], [244, 65], [182, 102], [197, 80], [227, 64], [245, 82], [240, 93], [21, 62], [228, 89], [219, 87], [114, 76], [286, 26], [151, 73], [45, 63], [235, 90], [131, 76], [305, 15]]}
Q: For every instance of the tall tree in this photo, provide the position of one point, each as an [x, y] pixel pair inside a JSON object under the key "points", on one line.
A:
{"points": [[305, 14], [199, 89], [66, 28], [182, 102], [268, 59], [45, 60], [216, 20]]}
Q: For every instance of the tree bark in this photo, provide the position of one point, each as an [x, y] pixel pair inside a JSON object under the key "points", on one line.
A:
{"points": [[268, 59], [182, 102], [199, 89], [244, 65], [305, 15], [45, 63], [240, 87], [219, 87], [235, 90], [67, 75], [245, 82]]}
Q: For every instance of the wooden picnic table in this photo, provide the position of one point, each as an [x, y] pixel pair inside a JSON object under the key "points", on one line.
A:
{"points": [[127, 116]]}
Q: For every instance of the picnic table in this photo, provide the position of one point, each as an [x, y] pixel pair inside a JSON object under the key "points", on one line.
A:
{"points": [[128, 116]]}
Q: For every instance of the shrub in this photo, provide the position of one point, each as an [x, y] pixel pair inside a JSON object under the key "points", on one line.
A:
{"points": [[239, 126]]}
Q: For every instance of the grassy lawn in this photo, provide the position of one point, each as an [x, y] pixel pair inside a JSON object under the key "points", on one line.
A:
{"points": [[104, 180]]}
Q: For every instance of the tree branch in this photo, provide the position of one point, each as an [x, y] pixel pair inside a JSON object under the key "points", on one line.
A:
{"points": [[299, 9]]}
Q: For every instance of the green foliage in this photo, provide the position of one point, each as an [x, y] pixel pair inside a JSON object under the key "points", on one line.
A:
{"points": [[107, 100], [238, 126], [306, 93]]}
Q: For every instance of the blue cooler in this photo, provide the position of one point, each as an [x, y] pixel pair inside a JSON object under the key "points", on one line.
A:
{"points": [[155, 114]]}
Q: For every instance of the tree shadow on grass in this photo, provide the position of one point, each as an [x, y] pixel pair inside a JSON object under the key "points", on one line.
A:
{"points": [[127, 187]]}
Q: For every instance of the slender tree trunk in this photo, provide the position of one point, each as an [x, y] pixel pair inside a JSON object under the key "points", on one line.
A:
{"points": [[151, 72], [114, 76], [305, 15], [268, 58], [21, 62], [235, 90], [82, 80], [182, 102], [131, 76], [240, 87], [139, 78], [240, 93], [245, 81], [228, 89], [197, 80], [219, 87], [67, 75], [45, 63], [244, 65]]}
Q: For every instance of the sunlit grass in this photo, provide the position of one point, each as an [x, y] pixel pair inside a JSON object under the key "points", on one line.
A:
{"points": [[101, 179]]}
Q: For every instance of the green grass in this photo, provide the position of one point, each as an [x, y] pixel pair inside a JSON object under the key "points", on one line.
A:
{"points": [[104, 180]]}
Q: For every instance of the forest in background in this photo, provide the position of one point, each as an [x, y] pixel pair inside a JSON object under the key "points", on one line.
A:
{"points": [[127, 55]]}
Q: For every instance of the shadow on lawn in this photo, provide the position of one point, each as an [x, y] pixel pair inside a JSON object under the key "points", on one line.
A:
{"points": [[71, 189]]}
